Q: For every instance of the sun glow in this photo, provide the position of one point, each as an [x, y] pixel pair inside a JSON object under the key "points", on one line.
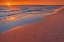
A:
{"points": [[8, 3]]}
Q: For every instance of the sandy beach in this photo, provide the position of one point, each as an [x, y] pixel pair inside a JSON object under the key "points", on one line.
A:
{"points": [[50, 29]]}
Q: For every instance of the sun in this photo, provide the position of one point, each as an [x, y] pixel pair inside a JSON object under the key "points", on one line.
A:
{"points": [[8, 4]]}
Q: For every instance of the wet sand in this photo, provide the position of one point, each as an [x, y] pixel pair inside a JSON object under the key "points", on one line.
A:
{"points": [[50, 29]]}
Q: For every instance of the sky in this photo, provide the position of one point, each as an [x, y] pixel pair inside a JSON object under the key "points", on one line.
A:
{"points": [[32, 2]]}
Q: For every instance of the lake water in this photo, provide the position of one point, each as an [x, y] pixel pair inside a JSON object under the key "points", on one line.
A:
{"points": [[13, 16]]}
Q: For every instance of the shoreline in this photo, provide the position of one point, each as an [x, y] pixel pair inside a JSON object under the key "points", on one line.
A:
{"points": [[36, 22], [58, 10], [50, 29]]}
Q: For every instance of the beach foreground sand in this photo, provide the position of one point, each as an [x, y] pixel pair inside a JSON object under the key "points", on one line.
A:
{"points": [[50, 29]]}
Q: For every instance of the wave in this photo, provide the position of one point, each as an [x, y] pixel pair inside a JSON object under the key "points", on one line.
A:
{"points": [[8, 14]]}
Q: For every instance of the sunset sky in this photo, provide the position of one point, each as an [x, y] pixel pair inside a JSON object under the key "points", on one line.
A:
{"points": [[32, 2]]}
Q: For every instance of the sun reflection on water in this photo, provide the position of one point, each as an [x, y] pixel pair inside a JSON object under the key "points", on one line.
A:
{"points": [[12, 18]]}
